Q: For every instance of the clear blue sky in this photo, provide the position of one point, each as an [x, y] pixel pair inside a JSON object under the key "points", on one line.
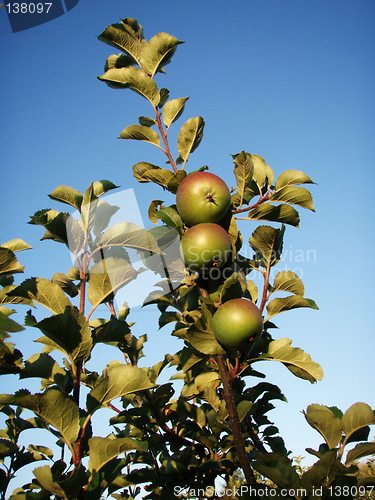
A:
{"points": [[289, 80]]}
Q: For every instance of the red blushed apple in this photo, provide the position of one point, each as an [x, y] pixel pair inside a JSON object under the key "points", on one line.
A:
{"points": [[202, 197], [237, 322], [205, 246]]}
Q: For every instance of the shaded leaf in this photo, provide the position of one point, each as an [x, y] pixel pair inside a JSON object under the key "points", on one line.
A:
{"points": [[103, 450], [281, 304], [267, 242], [361, 450], [54, 222], [10, 359], [118, 61], [146, 172], [190, 136], [44, 292], [173, 109], [204, 342], [146, 121], [262, 174], [141, 133], [357, 416], [322, 419], [275, 213], [171, 218], [295, 195]]}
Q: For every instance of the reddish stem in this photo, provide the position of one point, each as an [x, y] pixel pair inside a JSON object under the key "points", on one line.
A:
{"points": [[165, 140]]}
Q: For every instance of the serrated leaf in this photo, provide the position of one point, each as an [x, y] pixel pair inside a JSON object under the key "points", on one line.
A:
{"points": [[190, 410], [9, 263], [267, 242], [171, 218], [113, 331], [127, 36], [54, 222], [262, 174], [141, 133], [158, 53], [287, 281], [118, 61], [8, 325], [68, 488], [133, 79], [292, 178], [204, 342], [107, 277], [103, 450], [359, 451], [295, 359], [357, 416], [41, 365], [68, 195], [295, 195], [117, 381], [322, 419], [10, 359], [44, 292], [243, 171], [56, 408], [173, 109], [190, 136], [16, 245], [65, 283], [129, 235], [146, 172], [281, 304], [275, 213]]}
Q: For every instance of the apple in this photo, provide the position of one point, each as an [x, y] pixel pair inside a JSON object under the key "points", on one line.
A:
{"points": [[237, 322], [202, 197], [205, 246]]}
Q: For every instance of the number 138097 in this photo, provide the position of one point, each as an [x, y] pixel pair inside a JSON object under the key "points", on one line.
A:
{"points": [[28, 8]]}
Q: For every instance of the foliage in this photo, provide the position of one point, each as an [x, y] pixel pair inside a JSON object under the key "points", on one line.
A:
{"points": [[160, 442]]}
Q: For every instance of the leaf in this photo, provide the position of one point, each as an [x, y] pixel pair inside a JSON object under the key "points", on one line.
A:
{"points": [[153, 210], [275, 213], [102, 187], [127, 36], [70, 330], [118, 61], [54, 222], [146, 121], [190, 410], [41, 365], [287, 281], [267, 242], [44, 292], [322, 419], [171, 218], [357, 416], [291, 178], [8, 325], [263, 174], [129, 235], [68, 195], [204, 342], [68, 489], [10, 359], [114, 330], [54, 407], [190, 136], [141, 133], [281, 304], [243, 171], [295, 195], [158, 53], [16, 245], [359, 451], [146, 172], [9, 263], [172, 110], [133, 79], [117, 381], [65, 283], [103, 450], [107, 277], [295, 359]]}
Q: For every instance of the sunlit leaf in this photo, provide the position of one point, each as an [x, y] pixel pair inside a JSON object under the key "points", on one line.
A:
{"points": [[127, 36], [267, 242], [158, 52], [275, 213], [325, 422], [141, 133], [292, 178], [173, 109], [357, 416], [16, 245], [281, 304], [295, 195], [129, 235], [190, 136], [146, 172], [68, 195], [243, 171], [288, 281], [103, 450], [44, 292], [8, 262], [102, 187]]}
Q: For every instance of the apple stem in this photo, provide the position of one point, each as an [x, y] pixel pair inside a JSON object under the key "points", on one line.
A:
{"points": [[165, 140], [234, 420]]}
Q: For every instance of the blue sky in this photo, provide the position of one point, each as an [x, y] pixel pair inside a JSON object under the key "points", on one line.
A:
{"points": [[291, 81]]}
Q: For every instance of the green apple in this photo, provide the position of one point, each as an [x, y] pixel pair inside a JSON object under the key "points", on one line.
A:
{"points": [[202, 197], [205, 246], [237, 322]]}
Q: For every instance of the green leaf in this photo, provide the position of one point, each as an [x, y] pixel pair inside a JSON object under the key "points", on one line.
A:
{"points": [[243, 171], [190, 410], [361, 450], [173, 109], [357, 416], [190, 136], [158, 53], [117, 381], [295, 195], [295, 359], [70, 330], [153, 210], [243, 408], [102, 187], [114, 330], [280, 472], [44, 292], [56, 408], [146, 172], [263, 174], [7, 448], [42, 365], [204, 342], [133, 79], [16, 245], [8, 325], [281, 304], [9, 263], [275, 213], [10, 359], [292, 178], [107, 277], [118, 61], [68, 195], [146, 121], [65, 283], [171, 218], [103, 450], [267, 242], [141, 133], [129, 235], [287, 281], [54, 222], [68, 489], [127, 36], [322, 419]]}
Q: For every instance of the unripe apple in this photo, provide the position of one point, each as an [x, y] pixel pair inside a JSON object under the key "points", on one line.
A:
{"points": [[202, 197], [237, 322], [205, 246]]}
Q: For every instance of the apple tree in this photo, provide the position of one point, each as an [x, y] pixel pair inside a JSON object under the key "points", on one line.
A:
{"points": [[162, 442]]}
